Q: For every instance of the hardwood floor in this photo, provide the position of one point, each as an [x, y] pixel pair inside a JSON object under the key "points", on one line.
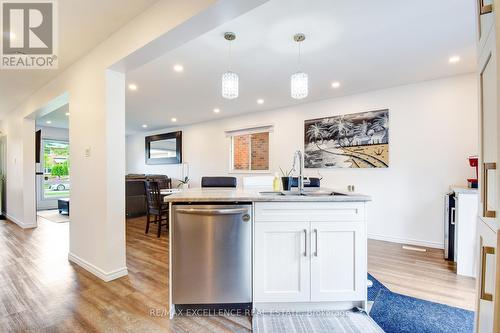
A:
{"points": [[40, 291], [422, 275]]}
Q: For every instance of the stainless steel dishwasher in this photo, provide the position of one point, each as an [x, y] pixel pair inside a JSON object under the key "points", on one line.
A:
{"points": [[212, 253]]}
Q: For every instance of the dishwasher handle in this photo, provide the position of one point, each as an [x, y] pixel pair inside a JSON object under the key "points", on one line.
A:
{"points": [[212, 211]]}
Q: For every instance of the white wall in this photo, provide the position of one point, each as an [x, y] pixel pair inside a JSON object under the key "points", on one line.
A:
{"points": [[433, 128], [95, 85], [96, 103]]}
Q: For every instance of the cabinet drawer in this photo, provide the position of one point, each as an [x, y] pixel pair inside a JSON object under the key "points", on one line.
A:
{"points": [[309, 211]]}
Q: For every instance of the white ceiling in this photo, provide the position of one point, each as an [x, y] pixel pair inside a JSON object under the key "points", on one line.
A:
{"points": [[363, 44], [56, 118], [82, 25]]}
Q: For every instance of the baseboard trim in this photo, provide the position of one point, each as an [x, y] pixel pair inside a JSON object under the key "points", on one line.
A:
{"points": [[399, 240], [20, 223], [105, 276]]}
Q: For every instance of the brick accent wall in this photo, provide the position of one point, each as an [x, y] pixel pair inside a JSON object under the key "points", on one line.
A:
{"points": [[260, 151], [259, 144], [241, 156]]}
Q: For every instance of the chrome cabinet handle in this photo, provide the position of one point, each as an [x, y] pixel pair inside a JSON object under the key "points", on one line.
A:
{"points": [[210, 211], [305, 242], [316, 235]]}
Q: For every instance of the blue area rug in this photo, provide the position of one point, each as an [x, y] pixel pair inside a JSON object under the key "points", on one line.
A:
{"points": [[396, 313], [375, 288]]}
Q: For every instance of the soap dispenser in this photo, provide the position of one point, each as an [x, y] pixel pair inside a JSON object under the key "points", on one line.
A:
{"points": [[276, 182]]}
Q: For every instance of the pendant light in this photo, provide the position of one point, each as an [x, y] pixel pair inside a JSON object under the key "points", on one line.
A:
{"points": [[299, 81], [230, 79]]}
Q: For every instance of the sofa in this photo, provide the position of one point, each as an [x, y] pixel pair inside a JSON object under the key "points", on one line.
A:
{"points": [[135, 195]]}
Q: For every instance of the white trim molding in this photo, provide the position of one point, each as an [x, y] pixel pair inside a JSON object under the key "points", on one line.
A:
{"points": [[20, 223], [399, 240], [105, 276], [250, 130]]}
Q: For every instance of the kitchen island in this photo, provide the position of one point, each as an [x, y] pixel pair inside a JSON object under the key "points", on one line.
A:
{"points": [[271, 251]]}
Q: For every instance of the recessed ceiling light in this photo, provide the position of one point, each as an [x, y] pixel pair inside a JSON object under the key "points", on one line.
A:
{"points": [[335, 84], [173, 120], [178, 68], [48, 122], [454, 59], [260, 101], [216, 110], [144, 126], [67, 113], [132, 86]]}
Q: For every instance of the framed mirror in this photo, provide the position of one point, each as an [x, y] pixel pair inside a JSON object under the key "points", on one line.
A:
{"points": [[164, 148]]}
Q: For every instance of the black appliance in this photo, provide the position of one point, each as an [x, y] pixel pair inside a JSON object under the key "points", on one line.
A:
{"points": [[449, 226]]}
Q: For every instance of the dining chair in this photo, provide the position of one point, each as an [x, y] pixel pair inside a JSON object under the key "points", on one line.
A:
{"points": [[218, 182], [165, 183], [155, 206], [308, 182]]}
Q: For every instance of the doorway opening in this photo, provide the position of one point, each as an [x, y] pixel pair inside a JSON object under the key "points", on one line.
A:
{"points": [[53, 183]]}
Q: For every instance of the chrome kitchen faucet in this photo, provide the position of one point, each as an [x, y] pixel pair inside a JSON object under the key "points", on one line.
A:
{"points": [[300, 184]]}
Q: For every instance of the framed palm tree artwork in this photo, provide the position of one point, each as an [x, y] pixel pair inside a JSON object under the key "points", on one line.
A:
{"points": [[359, 140]]}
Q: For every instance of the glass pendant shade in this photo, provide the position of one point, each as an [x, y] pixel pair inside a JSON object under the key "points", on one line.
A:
{"points": [[230, 85], [299, 85]]}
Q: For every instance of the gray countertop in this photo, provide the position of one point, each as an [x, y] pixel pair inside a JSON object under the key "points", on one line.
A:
{"points": [[256, 195]]}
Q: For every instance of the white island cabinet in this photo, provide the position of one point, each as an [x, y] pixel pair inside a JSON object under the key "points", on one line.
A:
{"points": [[307, 252], [309, 256]]}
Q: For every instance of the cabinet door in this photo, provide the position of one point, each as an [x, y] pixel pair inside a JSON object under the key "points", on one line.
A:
{"points": [[488, 129], [486, 282], [282, 264], [338, 261]]}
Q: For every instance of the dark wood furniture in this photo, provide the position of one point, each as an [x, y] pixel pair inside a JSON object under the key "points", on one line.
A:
{"points": [[135, 196], [155, 207], [218, 182], [163, 182], [63, 206]]}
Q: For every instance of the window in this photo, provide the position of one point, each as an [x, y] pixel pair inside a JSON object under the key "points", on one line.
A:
{"points": [[55, 169], [250, 150]]}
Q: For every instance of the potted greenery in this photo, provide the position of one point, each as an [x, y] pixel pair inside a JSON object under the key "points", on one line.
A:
{"points": [[183, 183], [286, 179]]}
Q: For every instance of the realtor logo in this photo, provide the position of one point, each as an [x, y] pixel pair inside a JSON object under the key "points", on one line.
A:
{"points": [[29, 34]]}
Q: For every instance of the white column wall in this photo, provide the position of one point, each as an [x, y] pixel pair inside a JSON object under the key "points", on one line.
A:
{"points": [[97, 236]]}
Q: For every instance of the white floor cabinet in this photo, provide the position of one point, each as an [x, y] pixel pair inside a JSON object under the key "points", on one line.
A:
{"points": [[336, 258], [309, 255], [281, 263]]}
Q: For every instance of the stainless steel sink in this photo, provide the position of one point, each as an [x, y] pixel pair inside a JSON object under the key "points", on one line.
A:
{"points": [[317, 193], [271, 193]]}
